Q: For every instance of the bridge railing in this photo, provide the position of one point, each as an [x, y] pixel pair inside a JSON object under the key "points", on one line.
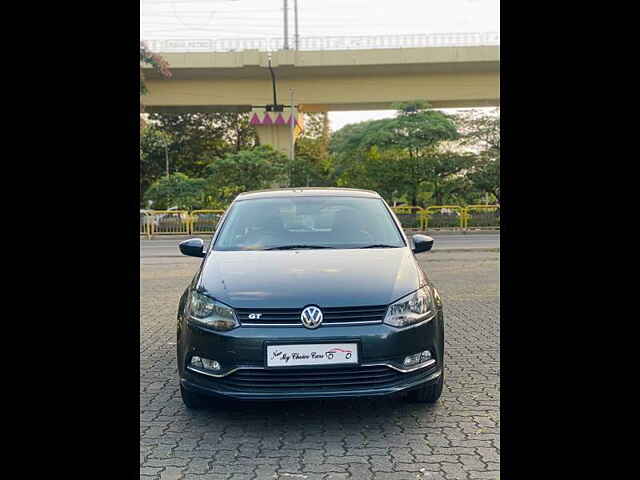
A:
{"points": [[350, 42]]}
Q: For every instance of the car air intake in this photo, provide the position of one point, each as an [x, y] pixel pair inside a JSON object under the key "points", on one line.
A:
{"points": [[288, 379]]}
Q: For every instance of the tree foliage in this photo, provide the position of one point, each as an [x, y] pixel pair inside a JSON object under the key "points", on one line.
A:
{"points": [[199, 138], [177, 190], [481, 132], [419, 157], [380, 170], [313, 165], [486, 176], [411, 137], [153, 142], [260, 168]]}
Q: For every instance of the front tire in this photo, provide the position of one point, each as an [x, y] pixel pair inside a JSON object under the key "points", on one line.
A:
{"points": [[192, 400], [429, 393]]}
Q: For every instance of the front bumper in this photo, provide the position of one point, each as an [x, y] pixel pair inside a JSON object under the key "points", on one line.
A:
{"points": [[197, 384], [241, 353]]}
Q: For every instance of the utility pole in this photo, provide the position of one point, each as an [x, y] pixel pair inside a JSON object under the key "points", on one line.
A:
{"points": [[286, 25], [292, 156], [295, 17], [166, 157]]}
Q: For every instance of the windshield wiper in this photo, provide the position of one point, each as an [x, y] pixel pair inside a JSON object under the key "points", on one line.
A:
{"points": [[381, 245], [296, 247]]}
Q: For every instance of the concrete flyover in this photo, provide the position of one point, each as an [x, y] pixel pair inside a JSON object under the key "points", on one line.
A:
{"points": [[359, 79]]}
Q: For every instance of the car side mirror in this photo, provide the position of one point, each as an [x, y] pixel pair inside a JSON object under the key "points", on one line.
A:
{"points": [[422, 243], [194, 247]]}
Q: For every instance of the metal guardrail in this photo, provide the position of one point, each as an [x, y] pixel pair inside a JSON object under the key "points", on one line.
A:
{"points": [[170, 222], [449, 217], [410, 216], [204, 221], [360, 42], [435, 217], [487, 217], [444, 217], [146, 220]]}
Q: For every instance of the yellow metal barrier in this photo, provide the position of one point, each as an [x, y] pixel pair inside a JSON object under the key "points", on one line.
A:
{"points": [[170, 222], [447, 216], [483, 220], [410, 210], [145, 224], [183, 222], [204, 221]]}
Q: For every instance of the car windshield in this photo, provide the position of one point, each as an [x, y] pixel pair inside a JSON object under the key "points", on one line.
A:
{"points": [[308, 223]]}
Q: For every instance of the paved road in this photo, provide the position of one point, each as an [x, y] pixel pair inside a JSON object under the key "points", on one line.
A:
{"points": [[167, 247], [458, 438]]}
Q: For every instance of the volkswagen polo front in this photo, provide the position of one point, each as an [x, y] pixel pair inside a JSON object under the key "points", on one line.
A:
{"points": [[311, 293]]}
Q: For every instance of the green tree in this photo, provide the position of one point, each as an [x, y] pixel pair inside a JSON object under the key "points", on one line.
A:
{"points": [[444, 172], [481, 133], [199, 138], [260, 168], [414, 133], [480, 130], [380, 170], [152, 156], [313, 165], [486, 176], [177, 190]]}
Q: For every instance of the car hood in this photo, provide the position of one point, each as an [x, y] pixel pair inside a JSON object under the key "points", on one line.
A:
{"points": [[295, 278]]}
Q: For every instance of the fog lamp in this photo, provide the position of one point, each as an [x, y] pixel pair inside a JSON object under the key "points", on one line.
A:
{"points": [[205, 363], [210, 364], [426, 355], [411, 359], [417, 358]]}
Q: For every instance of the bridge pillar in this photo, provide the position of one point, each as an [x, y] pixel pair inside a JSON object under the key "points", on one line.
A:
{"points": [[274, 128]]}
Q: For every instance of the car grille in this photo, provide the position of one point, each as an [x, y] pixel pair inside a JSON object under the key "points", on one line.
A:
{"points": [[315, 378], [290, 317]]}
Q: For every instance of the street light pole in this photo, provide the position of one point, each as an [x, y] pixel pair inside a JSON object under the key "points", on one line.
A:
{"points": [[292, 120], [295, 17], [166, 157], [286, 25]]}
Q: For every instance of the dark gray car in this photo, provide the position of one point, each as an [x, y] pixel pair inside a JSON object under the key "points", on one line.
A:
{"points": [[309, 293]]}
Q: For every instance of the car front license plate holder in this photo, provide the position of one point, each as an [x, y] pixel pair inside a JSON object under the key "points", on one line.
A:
{"points": [[311, 354]]}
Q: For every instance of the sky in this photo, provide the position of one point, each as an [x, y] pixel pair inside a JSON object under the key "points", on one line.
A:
{"points": [[219, 19]]}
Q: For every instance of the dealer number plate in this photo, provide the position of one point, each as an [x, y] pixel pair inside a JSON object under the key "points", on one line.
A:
{"points": [[312, 354]]}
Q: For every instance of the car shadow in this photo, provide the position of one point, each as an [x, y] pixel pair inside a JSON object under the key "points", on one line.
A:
{"points": [[360, 410]]}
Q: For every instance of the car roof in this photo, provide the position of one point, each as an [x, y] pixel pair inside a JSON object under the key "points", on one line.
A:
{"points": [[308, 191]]}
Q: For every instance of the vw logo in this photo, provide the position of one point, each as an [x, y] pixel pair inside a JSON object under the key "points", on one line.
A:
{"points": [[311, 317]]}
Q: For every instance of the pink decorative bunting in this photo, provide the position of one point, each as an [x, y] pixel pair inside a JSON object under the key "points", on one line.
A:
{"points": [[267, 120], [280, 120], [255, 120]]}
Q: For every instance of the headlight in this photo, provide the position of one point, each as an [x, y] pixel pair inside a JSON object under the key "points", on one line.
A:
{"points": [[412, 309], [207, 311]]}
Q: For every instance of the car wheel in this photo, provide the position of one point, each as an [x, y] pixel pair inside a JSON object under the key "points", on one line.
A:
{"points": [[193, 400], [429, 393]]}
